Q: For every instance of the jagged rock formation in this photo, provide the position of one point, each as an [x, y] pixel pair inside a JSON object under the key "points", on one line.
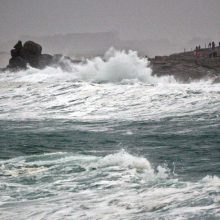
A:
{"points": [[31, 54], [185, 67]]}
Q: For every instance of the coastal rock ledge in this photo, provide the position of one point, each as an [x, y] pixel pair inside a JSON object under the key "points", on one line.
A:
{"points": [[30, 54], [185, 67], [189, 66]]}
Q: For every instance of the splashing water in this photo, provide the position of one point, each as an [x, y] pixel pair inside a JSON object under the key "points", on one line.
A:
{"points": [[94, 187], [131, 92], [117, 66], [62, 133]]}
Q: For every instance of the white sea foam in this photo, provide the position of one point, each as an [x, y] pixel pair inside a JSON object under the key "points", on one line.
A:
{"points": [[125, 90], [116, 67], [118, 185], [124, 159]]}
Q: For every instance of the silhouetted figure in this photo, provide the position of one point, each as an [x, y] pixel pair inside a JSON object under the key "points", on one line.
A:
{"points": [[197, 54], [219, 44], [210, 44], [213, 45]]}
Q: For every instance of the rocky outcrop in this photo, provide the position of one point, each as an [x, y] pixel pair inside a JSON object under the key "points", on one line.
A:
{"points": [[28, 54], [31, 48], [31, 54], [185, 67], [188, 66]]}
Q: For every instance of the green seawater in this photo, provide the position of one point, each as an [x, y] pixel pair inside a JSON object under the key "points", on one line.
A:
{"points": [[66, 169], [107, 140]]}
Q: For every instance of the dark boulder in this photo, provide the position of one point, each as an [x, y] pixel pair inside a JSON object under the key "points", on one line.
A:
{"points": [[32, 48], [31, 59], [17, 48], [45, 60], [17, 63], [18, 45], [14, 53], [31, 54]]}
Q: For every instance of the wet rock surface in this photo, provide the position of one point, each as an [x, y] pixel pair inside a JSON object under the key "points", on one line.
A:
{"points": [[30, 53], [187, 66]]}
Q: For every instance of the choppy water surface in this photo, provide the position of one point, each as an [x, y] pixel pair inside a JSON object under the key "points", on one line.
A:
{"points": [[106, 140]]}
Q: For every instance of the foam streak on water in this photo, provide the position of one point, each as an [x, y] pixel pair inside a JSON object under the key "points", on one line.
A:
{"points": [[129, 91], [62, 133], [63, 186]]}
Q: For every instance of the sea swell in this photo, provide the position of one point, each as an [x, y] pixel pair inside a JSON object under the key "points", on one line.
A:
{"points": [[120, 185], [88, 101], [63, 131], [120, 86]]}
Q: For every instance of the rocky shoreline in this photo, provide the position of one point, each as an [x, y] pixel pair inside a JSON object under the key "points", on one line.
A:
{"points": [[30, 54], [188, 66], [185, 67]]}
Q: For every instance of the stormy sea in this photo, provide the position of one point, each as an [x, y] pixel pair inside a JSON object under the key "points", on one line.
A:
{"points": [[105, 139]]}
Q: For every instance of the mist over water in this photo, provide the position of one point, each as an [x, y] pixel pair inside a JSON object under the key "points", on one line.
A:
{"points": [[105, 139]]}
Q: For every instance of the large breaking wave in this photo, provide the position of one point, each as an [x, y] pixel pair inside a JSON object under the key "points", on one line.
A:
{"points": [[116, 67], [118, 86]]}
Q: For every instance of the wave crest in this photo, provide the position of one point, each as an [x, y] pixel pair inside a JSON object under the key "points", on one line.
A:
{"points": [[115, 67]]}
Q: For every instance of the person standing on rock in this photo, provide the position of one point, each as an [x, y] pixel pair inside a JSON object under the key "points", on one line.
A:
{"points": [[197, 54], [213, 45]]}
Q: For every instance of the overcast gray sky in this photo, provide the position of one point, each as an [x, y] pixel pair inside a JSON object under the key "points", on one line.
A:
{"points": [[176, 20]]}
